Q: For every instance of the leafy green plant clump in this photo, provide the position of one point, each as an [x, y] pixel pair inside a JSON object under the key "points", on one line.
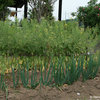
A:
{"points": [[90, 15], [48, 38]]}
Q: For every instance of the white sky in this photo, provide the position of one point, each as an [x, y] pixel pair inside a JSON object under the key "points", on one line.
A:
{"points": [[68, 6]]}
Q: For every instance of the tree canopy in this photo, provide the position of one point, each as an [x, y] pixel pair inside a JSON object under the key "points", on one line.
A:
{"points": [[5, 3], [41, 8], [3, 7]]}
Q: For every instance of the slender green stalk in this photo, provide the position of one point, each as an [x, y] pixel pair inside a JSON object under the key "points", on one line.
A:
{"points": [[40, 83], [22, 74], [34, 82], [15, 83], [59, 75], [78, 72], [2, 83], [91, 70], [45, 81], [56, 86], [72, 73], [6, 92]]}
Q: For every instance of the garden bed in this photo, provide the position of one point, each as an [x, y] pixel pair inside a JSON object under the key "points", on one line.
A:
{"points": [[33, 39], [77, 91]]}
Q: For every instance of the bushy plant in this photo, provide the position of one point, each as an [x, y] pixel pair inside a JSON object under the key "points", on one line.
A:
{"points": [[90, 14], [45, 39]]}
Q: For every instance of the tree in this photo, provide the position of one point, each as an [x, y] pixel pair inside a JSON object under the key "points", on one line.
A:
{"points": [[3, 7], [47, 10], [40, 6]]}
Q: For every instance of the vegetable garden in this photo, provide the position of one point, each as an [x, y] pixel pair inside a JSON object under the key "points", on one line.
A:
{"points": [[48, 54]]}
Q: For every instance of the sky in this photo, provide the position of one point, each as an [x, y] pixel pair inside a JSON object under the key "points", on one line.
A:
{"points": [[68, 6]]}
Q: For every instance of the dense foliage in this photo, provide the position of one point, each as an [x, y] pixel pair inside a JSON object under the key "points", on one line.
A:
{"points": [[40, 9], [45, 39], [46, 12], [3, 8], [90, 14]]}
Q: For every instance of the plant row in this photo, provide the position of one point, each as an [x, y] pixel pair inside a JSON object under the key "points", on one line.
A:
{"points": [[62, 74]]}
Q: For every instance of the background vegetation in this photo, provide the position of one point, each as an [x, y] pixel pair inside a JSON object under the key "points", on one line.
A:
{"points": [[4, 11]]}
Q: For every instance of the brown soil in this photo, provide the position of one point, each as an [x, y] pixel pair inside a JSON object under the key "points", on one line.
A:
{"points": [[77, 91]]}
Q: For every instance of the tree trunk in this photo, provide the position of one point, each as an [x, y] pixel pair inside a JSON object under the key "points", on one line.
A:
{"points": [[39, 13], [39, 17]]}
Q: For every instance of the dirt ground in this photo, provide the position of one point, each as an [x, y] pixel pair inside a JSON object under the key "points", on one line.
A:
{"points": [[88, 90]]}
